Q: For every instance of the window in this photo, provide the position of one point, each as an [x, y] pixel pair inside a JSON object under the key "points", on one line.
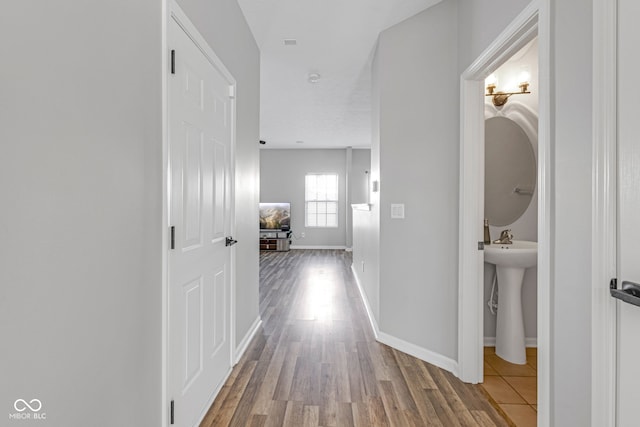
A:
{"points": [[321, 200]]}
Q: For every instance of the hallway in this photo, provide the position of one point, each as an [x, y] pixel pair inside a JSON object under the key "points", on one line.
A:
{"points": [[316, 363]]}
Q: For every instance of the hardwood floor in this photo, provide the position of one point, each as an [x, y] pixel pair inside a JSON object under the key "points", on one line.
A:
{"points": [[316, 363]]}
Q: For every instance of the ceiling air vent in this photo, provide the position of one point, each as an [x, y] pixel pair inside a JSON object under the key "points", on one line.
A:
{"points": [[290, 42]]}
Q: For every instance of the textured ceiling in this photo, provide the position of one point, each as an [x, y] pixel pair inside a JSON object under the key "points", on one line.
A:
{"points": [[335, 38]]}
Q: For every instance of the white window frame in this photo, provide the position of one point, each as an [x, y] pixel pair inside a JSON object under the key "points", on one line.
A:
{"points": [[308, 200]]}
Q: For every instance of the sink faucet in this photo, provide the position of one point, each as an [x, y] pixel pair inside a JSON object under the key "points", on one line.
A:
{"points": [[506, 238]]}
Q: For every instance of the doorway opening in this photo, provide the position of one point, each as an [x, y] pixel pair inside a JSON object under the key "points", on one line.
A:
{"points": [[531, 23], [511, 234]]}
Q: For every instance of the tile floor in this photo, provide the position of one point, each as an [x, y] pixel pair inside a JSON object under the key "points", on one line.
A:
{"points": [[513, 388]]}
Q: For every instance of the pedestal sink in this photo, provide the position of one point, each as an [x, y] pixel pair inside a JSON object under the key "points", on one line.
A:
{"points": [[511, 261]]}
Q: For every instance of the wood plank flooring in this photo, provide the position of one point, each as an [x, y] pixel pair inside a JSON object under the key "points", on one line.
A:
{"points": [[315, 361]]}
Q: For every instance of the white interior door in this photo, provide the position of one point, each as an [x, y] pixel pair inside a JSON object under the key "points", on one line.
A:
{"points": [[628, 393], [200, 187]]}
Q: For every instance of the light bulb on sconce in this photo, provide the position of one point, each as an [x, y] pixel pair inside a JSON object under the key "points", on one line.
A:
{"points": [[491, 82], [524, 79], [500, 97]]}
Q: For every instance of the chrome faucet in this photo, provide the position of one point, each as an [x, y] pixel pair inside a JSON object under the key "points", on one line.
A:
{"points": [[506, 238]]}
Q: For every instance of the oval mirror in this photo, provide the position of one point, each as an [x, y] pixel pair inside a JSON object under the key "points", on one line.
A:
{"points": [[510, 171]]}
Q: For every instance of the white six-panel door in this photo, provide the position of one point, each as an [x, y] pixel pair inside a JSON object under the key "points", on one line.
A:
{"points": [[628, 395], [200, 192]]}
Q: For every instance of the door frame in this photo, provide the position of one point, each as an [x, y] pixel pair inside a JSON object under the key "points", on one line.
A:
{"points": [[533, 20], [171, 10], [604, 218]]}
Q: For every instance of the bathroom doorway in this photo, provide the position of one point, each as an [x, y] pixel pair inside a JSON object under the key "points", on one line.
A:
{"points": [[526, 30], [511, 236]]}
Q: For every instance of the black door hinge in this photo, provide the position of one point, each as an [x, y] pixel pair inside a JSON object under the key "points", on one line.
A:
{"points": [[173, 61], [480, 246], [173, 237], [172, 411]]}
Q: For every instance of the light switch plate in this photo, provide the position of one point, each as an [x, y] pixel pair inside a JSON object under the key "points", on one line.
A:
{"points": [[397, 211]]}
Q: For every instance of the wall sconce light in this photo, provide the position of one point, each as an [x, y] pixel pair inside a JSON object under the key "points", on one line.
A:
{"points": [[500, 98]]}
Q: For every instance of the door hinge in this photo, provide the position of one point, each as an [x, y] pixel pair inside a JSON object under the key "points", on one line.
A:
{"points": [[480, 246], [172, 406], [173, 61], [172, 233]]}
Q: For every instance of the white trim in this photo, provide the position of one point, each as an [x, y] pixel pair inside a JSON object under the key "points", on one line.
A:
{"points": [[361, 207], [367, 306], [232, 212], [400, 344], [337, 247], [531, 342], [471, 261], [244, 343], [336, 201], [545, 219], [518, 33], [535, 18], [421, 353], [176, 13], [164, 394], [348, 213], [604, 218], [171, 10]]}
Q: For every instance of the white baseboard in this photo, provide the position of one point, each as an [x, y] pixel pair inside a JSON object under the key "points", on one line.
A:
{"points": [[428, 356], [528, 342], [242, 347], [318, 247], [367, 307], [421, 353]]}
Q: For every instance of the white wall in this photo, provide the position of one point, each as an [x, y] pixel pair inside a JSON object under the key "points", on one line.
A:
{"points": [[571, 245], [418, 155], [525, 227], [80, 181], [360, 170], [282, 180], [480, 22], [366, 224]]}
